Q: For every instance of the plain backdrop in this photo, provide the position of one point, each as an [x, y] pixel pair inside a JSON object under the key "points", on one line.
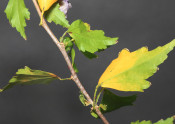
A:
{"points": [[137, 23]]}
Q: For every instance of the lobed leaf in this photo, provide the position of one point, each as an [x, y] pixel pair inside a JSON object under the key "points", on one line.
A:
{"points": [[89, 40], [131, 69], [142, 122], [28, 76], [17, 12], [167, 121], [57, 16]]}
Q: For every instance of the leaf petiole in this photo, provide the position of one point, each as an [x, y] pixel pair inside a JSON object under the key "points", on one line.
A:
{"points": [[62, 37], [63, 79], [98, 96], [95, 94], [42, 14]]}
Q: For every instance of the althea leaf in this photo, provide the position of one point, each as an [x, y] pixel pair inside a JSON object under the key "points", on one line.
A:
{"points": [[17, 12], [131, 69], [89, 40]]}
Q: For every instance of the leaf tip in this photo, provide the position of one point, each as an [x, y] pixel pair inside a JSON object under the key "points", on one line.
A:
{"points": [[124, 51], [25, 38], [1, 90], [23, 35], [26, 67]]}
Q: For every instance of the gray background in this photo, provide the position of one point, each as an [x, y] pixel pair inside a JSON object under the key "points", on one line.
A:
{"points": [[136, 22]]}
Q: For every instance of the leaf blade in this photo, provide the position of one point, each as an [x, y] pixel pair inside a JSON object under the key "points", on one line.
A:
{"points": [[16, 13], [54, 14], [89, 40], [46, 4], [83, 100], [167, 121], [73, 60], [28, 76], [131, 69]]}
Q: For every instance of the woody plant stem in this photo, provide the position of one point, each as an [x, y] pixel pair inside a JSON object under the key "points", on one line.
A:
{"points": [[65, 55]]}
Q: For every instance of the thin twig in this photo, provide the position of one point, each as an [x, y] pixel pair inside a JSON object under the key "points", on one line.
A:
{"points": [[98, 96], [65, 55]]}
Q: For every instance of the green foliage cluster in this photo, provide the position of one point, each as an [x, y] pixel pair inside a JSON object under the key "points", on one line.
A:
{"points": [[88, 42], [167, 121]]}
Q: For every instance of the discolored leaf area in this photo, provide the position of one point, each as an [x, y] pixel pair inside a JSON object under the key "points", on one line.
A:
{"points": [[54, 14], [17, 12], [89, 40], [28, 76], [131, 69], [46, 4], [167, 121]]}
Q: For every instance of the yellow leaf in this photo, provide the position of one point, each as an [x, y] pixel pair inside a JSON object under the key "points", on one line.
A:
{"points": [[131, 69], [45, 5]]}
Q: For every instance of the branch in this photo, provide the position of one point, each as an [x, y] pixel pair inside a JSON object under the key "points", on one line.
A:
{"points": [[65, 55]]}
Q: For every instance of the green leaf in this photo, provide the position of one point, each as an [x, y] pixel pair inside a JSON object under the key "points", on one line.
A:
{"points": [[94, 114], [68, 43], [28, 76], [167, 121], [111, 102], [90, 55], [57, 16], [17, 12], [131, 69], [89, 40], [103, 107], [83, 99], [73, 55], [143, 122], [69, 48], [75, 68], [73, 59]]}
